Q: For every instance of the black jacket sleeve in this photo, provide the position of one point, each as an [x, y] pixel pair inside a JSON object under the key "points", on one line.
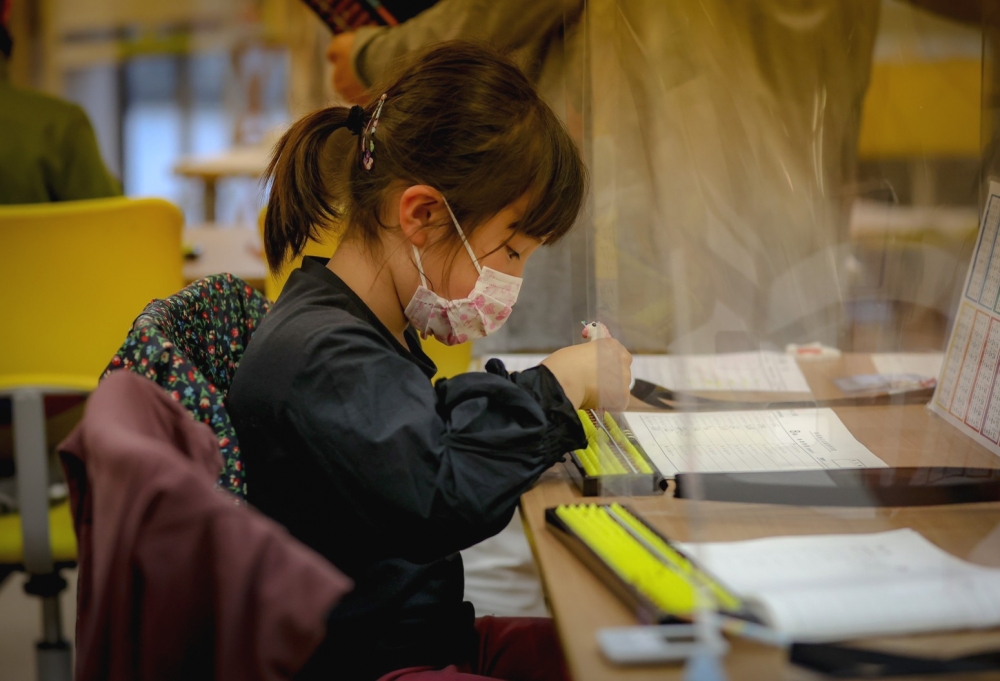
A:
{"points": [[429, 469]]}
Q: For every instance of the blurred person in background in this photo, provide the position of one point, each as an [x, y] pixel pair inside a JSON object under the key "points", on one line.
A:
{"points": [[730, 132], [48, 151], [725, 142], [727, 135]]}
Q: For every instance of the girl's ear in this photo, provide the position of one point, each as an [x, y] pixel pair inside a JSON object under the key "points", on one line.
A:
{"points": [[421, 207]]}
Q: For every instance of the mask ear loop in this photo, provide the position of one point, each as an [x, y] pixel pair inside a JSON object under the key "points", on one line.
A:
{"points": [[420, 266], [465, 243], [454, 220]]}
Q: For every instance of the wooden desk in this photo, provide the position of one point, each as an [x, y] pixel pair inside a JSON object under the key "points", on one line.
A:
{"points": [[236, 250], [900, 435]]}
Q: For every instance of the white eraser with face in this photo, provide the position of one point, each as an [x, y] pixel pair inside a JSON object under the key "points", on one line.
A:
{"points": [[594, 330]]}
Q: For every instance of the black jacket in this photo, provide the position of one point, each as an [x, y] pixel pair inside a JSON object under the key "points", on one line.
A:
{"points": [[348, 444]]}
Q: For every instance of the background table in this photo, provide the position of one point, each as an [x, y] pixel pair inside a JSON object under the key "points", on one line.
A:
{"points": [[900, 435], [236, 250], [250, 161]]}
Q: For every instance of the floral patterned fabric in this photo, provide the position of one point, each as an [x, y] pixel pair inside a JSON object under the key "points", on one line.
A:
{"points": [[191, 344]]}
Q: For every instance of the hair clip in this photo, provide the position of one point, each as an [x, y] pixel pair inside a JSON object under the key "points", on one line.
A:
{"points": [[368, 138]]}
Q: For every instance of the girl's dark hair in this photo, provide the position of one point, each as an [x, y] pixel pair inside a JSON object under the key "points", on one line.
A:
{"points": [[460, 118]]}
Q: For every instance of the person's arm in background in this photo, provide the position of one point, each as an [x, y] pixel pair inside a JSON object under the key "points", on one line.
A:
{"points": [[363, 57], [78, 170]]}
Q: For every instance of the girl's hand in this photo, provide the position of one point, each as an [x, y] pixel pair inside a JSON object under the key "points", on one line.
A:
{"points": [[594, 374]]}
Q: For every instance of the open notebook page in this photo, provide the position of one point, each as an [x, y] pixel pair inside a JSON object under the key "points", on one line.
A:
{"points": [[728, 441], [836, 587]]}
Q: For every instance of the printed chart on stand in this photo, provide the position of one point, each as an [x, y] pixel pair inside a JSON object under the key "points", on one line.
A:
{"points": [[968, 392]]}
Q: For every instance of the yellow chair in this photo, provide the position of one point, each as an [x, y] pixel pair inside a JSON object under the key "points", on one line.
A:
{"points": [[73, 277], [450, 361], [919, 108]]}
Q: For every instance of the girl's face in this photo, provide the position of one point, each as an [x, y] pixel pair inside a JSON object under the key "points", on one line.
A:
{"points": [[497, 244]]}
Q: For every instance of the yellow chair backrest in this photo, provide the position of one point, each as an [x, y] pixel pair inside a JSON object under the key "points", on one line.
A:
{"points": [[74, 276], [922, 108], [449, 360]]}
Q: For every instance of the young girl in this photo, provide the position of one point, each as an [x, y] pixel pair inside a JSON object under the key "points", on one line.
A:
{"points": [[443, 186]]}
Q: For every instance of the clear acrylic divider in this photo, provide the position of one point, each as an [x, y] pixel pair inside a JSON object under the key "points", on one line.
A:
{"points": [[786, 199]]}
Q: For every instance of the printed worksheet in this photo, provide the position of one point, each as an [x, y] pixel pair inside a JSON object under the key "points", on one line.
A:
{"points": [[967, 394], [737, 371], [728, 441]]}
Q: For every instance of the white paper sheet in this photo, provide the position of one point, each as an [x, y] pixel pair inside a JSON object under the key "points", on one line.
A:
{"points": [[738, 371], [919, 363], [727, 441], [836, 587], [968, 390]]}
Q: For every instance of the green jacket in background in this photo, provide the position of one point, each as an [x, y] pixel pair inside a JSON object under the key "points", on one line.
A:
{"points": [[48, 151]]}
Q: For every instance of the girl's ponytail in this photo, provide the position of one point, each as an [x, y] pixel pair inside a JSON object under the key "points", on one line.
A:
{"points": [[302, 200]]}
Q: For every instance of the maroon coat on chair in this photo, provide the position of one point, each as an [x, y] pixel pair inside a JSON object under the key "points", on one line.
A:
{"points": [[175, 581]]}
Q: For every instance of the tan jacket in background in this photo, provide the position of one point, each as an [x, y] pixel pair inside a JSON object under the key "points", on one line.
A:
{"points": [[529, 28]]}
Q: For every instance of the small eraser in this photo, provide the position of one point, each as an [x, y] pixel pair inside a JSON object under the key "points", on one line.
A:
{"points": [[595, 330], [810, 351]]}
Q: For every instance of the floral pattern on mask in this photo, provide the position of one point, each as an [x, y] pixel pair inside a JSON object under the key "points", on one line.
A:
{"points": [[479, 314]]}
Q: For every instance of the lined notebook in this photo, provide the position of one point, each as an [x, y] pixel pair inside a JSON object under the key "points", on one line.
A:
{"points": [[837, 587]]}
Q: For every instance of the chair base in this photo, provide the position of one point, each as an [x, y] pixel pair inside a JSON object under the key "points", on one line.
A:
{"points": [[54, 661], [5, 572], [53, 654]]}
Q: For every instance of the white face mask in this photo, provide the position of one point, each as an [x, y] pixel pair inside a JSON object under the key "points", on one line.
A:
{"points": [[479, 314]]}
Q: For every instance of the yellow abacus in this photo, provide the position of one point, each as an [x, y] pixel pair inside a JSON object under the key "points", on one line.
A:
{"points": [[669, 591], [630, 451], [599, 457], [668, 553], [654, 568]]}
